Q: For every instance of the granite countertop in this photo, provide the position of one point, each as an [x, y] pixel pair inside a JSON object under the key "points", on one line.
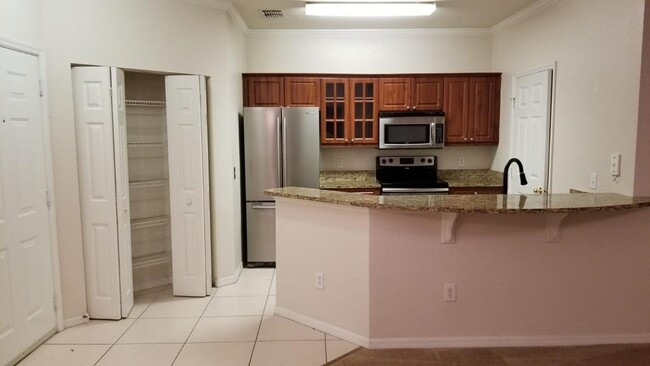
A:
{"points": [[489, 203], [348, 179], [472, 178]]}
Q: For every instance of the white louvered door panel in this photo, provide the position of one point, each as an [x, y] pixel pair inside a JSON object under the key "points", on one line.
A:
{"points": [[190, 246], [122, 190], [26, 283], [96, 166]]}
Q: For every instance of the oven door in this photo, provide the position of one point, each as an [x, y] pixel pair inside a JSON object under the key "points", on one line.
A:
{"points": [[391, 191]]}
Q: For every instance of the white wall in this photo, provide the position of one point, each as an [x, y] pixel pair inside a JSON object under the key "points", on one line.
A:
{"points": [[161, 35], [20, 21], [597, 46], [378, 51], [642, 165]]}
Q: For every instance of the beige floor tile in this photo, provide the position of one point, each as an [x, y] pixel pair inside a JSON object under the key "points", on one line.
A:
{"points": [[172, 330], [337, 349], [154, 291], [236, 306], [215, 354], [168, 306], [246, 287], [261, 273], [93, 332], [140, 355], [277, 328], [226, 329], [289, 353], [270, 306], [68, 355], [140, 304]]}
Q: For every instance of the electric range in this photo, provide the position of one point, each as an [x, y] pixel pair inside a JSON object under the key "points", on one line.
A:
{"points": [[409, 175]]}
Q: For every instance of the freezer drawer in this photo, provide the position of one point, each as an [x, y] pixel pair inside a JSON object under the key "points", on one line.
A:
{"points": [[260, 231]]}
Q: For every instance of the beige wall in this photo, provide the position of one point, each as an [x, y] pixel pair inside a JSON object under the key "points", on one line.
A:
{"points": [[378, 51], [160, 35], [597, 46], [20, 21], [642, 166]]}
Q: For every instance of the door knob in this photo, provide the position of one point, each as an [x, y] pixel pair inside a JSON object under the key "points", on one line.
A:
{"points": [[188, 202]]}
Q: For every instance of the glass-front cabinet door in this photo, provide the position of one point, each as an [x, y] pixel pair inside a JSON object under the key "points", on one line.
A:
{"points": [[364, 117], [334, 110]]}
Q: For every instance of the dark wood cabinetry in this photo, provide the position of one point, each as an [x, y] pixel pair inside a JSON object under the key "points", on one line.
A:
{"points": [[302, 92], [264, 91], [474, 190], [349, 111], [471, 106], [350, 104], [406, 94]]}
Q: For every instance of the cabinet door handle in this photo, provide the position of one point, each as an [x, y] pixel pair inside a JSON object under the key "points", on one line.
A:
{"points": [[471, 139], [413, 107], [464, 138], [408, 108]]}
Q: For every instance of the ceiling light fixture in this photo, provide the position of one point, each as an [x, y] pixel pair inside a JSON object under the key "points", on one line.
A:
{"points": [[368, 9]]}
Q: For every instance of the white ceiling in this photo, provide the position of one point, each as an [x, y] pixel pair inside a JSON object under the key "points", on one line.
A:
{"points": [[450, 14]]}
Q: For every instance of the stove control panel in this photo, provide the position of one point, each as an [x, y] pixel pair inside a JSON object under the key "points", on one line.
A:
{"points": [[404, 161]]}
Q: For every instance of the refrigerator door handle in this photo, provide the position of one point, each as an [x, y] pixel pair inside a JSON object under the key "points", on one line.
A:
{"points": [[280, 152], [284, 151], [263, 206]]}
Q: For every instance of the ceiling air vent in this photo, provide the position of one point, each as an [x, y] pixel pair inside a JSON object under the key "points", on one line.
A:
{"points": [[272, 14]]}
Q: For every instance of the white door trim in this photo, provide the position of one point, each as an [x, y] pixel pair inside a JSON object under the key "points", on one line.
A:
{"points": [[552, 66], [49, 174]]}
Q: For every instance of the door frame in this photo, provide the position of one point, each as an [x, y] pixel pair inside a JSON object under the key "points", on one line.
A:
{"points": [[551, 66], [49, 173]]}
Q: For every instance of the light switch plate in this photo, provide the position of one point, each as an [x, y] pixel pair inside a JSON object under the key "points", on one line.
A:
{"points": [[615, 165]]}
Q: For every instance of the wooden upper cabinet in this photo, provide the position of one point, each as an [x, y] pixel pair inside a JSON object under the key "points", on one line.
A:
{"points": [[334, 111], [427, 94], [264, 91], [302, 92], [364, 112], [395, 94], [410, 94], [471, 106]]}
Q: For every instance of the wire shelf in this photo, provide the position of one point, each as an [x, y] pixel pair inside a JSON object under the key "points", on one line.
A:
{"points": [[150, 260], [146, 144], [148, 184], [144, 103], [149, 222]]}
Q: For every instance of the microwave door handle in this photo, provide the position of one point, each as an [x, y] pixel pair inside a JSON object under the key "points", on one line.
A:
{"points": [[433, 134]]}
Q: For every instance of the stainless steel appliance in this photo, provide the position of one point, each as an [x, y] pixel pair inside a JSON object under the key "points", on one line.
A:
{"points": [[281, 148], [409, 175], [412, 130]]}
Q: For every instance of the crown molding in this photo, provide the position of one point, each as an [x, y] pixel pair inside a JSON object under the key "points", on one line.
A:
{"points": [[225, 5], [409, 32], [523, 14]]}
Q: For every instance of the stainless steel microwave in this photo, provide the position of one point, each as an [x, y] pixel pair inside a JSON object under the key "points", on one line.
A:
{"points": [[412, 130]]}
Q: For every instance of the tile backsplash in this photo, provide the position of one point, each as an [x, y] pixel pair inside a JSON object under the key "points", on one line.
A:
{"points": [[474, 157]]}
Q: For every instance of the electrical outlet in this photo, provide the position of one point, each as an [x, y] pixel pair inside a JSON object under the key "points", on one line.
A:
{"points": [[615, 165], [449, 292], [593, 183], [320, 280], [461, 161], [339, 163]]}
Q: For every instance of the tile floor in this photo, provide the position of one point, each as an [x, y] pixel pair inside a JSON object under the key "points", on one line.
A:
{"points": [[235, 326]]}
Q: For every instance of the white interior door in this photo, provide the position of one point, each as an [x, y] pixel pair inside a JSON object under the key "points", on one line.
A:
{"points": [[186, 123], [97, 189], [26, 283], [122, 190], [531, 131]]}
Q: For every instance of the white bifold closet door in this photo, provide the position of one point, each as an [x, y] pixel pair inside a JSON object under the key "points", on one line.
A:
{"points": [[188, 184], [100, 119], [26, 283]]}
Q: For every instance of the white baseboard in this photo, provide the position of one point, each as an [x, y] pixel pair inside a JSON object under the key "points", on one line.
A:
{"points": [[523, 341], [151, 284], [76, 320], [338, 332], [229, 280]]}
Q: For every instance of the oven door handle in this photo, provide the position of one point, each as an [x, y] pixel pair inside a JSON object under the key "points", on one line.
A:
{"points": [[415, 190]]}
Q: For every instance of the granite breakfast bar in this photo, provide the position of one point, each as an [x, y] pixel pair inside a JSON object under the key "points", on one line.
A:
{"points": [[528, 270]]}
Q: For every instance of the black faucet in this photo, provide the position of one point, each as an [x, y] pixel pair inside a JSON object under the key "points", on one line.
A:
{"points": [[522, 175]]}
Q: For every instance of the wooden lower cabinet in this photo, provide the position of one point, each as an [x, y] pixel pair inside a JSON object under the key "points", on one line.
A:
{"points": [[475, 190]]}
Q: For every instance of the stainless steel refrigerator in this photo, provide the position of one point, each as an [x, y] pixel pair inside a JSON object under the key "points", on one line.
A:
{"points": [[281, 149]]}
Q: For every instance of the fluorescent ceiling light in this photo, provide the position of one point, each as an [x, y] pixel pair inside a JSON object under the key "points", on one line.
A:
{"points": [[367, 9]]}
